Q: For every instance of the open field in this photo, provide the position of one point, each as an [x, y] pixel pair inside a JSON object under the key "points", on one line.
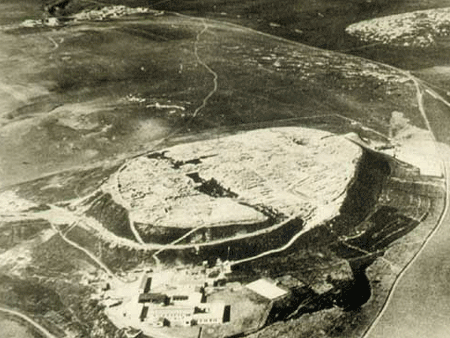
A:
{"points": [[248, 312], [14, 232], [64, 186], [323, 24], [113, 216], [320, 23], [13, 327], [106, 109]]}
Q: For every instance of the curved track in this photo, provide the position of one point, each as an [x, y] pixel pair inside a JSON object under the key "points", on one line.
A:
{"points": [[36, 325], [418, 298], [213, 73]]}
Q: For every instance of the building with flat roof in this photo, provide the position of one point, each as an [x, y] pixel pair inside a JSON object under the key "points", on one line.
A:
{"points": [[178, 298], [146, 284], [176, 304], [209, 314], [144, 312], [154, 298], [172, 315], [267, 289], [183, 315], [132, 333]]}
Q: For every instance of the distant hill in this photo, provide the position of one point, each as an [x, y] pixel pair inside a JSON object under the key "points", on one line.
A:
{"points": [[94, 90]]}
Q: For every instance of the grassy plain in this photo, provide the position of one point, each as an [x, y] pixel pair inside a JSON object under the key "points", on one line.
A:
{"points": [[98, 87]]}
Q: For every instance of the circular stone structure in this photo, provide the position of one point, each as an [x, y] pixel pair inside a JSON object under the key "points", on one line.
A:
{"points": [[239, 179]]}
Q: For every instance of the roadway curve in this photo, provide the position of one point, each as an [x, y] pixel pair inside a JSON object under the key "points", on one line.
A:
{"points": [[419, 303], [39, 327]]}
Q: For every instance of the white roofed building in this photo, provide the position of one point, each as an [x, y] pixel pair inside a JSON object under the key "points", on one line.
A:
{"points": [[267, 289]]}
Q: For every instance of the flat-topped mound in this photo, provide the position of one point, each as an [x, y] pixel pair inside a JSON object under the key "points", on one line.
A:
{"points": [[413, 29], [240, 179]]}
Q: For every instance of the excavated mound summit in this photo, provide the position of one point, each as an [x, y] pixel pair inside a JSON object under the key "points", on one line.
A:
{"points": [[239, 179]]}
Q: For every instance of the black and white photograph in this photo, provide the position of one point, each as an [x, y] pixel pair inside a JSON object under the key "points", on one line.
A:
{"points": [[224, 169]]}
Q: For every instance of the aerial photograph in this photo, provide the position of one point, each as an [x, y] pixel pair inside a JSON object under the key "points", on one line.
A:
{"points": [[224, 168]]}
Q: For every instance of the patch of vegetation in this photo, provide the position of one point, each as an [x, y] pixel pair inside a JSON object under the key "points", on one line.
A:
{"points": [[119, 258], [85, 238], [113, 216], [204, 235], [235, 248], [55, 257], [63, 186], [14, 326], [386, 226], [28, 295], [58, 304], [12, 233], [161, 235], [33, 108], [438, 117], [40, 207]]}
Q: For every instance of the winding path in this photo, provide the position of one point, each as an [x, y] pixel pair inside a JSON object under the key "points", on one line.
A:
{"points": [[194, 114], [69, 216], [132, 224], [55, 44], [36, 325], [214, 74], [135, 232], [92, 256], [418, 305], [155, 255], [277, 250]]}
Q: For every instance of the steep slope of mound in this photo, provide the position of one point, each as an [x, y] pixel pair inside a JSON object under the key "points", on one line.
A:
{"points": [[112, 215]]}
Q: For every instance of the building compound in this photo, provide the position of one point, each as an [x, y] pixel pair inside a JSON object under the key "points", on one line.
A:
{"points": [[183, 306]]}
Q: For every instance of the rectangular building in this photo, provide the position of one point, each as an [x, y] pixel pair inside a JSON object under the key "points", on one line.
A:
{"points": [[267, 289], [209, 314], [146, 284], [172, 315], [154, 298]]}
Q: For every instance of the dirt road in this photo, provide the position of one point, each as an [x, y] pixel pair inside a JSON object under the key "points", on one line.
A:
{"points": [[419, 303], [41, 329]]}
